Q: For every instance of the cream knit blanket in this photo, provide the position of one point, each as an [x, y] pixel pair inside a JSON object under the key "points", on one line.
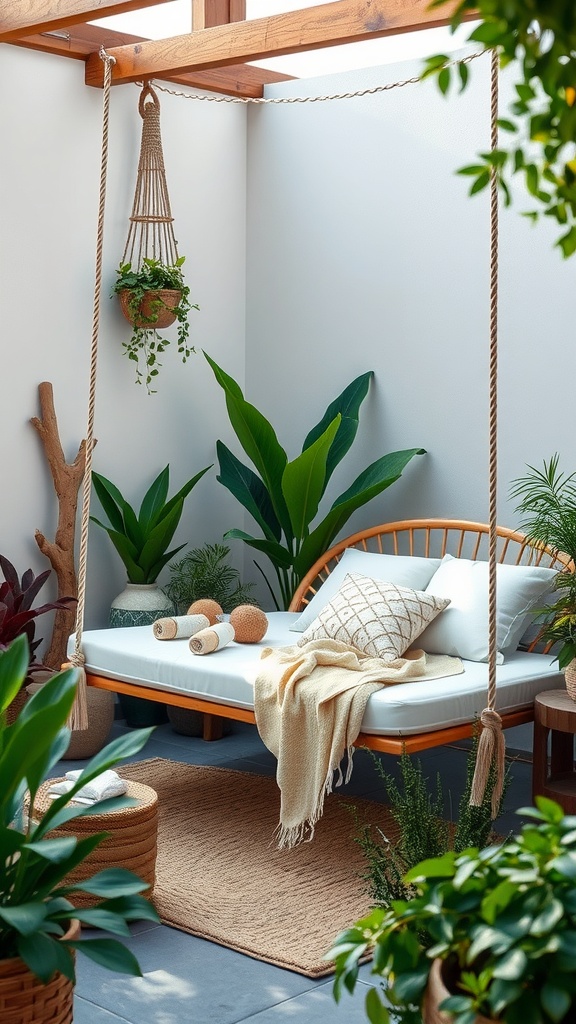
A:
{"points": [[309, 703]]}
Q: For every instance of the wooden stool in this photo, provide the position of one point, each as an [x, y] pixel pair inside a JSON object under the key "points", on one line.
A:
{"points": [[132, 842], [555, 713]]}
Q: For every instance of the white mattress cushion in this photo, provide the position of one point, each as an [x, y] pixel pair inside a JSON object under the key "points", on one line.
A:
{"points": [[134, 655]]}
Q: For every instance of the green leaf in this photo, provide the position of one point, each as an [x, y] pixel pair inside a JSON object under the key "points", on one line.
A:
{"points": [[155, 498], [13, 669], [180, 495], [45, 955], [259, 441], [375, 1009], [347, 405], [464, 75], [278, 554], [26, 918], [113, 882], [158, 541], [249, 490], [111, 500], [111, 954], [511, 966], [444, 80], [303, 481], [555, 1001], [567, 243], [371, 482]]}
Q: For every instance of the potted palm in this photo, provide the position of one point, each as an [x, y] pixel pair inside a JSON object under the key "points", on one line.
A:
{"points": [[489, 935], [142, 539], [152, 298], [39, 923], [547, 502]]}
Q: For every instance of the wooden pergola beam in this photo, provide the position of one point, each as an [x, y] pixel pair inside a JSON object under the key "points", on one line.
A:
{"points": [[207, 13], [26, 17], [345, 21], [79, 41]]}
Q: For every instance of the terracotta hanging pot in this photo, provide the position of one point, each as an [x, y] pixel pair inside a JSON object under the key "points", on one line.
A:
{"points": [[156, 308], [24, 999], [436, 993]]}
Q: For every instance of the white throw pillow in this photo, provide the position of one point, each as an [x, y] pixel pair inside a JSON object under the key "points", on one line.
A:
{"points": [[377, 618], [462, 630], [405, 570]]}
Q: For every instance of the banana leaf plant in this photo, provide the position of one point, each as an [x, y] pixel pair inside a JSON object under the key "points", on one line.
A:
{"points": [[142, 539], [283, 497]]}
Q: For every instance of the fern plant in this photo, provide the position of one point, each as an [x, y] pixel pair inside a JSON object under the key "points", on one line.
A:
{"points": [[423, 831], [204, 572]]}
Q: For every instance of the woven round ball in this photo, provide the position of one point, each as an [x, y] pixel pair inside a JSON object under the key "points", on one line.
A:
{"points": [[250, 623], [206, 606]]}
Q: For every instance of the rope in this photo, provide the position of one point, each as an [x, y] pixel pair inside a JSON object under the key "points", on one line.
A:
{"points": [[79, 713], [491, 746], [151, 233], [261, 100]]}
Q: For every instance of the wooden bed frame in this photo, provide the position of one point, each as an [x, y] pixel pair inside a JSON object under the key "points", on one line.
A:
{"points": [[430, 538]]}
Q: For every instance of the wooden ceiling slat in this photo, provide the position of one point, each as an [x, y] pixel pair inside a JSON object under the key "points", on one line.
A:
{"points": [[27, 17], [82, 40], [344, 21]]}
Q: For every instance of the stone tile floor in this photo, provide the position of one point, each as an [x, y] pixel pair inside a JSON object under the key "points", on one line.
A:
{"points": [[188, 980]]}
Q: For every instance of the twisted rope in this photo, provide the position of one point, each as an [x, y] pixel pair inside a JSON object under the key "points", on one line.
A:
{"points": [[491, 746], [79, 713], [262, 100]]}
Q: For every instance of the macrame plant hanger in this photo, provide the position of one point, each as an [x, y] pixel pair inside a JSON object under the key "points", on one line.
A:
{"points": [[79, 713], [491, 744], [151, 234]]}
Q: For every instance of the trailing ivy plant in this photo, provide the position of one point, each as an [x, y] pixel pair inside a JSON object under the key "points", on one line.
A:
{"points": [[147, 344], [539, 40], [283, 497]]}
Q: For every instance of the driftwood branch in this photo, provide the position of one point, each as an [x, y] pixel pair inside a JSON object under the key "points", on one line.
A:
{"points": [[67, 478]]}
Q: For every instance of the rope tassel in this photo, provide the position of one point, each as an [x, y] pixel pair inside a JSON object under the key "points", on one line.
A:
{"points": [[78, 717], [491, 751]]}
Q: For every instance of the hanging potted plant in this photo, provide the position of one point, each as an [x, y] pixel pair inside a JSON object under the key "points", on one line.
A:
{"points": [[153, 298]]}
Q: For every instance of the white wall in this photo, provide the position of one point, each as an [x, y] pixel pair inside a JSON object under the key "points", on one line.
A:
{"points": [[365, 252], [50, 125]]}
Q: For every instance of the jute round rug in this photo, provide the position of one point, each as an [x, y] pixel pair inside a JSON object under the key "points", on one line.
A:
{"points": [[220, 876]]}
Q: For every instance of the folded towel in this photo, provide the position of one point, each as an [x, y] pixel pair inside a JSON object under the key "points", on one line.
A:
{"points": [[209, 640], [104, 786], [179, 626]]}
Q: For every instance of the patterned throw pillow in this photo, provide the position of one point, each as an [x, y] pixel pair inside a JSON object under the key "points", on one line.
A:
{"points": [[379, 619]]}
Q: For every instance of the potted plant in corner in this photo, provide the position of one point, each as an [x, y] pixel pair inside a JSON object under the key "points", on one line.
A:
{"points": [[152, 298], [39, 924], [490, 935], [142, 539], [548, 505], [18, 616]]}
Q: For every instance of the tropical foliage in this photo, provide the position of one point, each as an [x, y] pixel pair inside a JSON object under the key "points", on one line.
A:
{"points": [[36, 903], [548, 506], [502, 921], [539, 40], [17, 611], [142, 539], [283, 496]]}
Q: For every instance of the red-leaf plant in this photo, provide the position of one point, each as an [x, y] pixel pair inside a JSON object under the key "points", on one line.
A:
{"points": [[17, 615]]}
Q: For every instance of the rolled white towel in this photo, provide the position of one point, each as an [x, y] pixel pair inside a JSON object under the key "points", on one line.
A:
{"points": [[179, 626], [211, 639]]}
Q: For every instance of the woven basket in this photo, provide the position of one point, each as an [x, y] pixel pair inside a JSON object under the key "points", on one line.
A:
{"points": [[151, 315], [132, 843], [436, 993], [24, 999], [570, 679], [85, 743]]}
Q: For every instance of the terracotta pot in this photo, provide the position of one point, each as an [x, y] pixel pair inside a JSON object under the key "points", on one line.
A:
{"points": [[436, 993], [24, 999], [570, 679], [156, 308]]}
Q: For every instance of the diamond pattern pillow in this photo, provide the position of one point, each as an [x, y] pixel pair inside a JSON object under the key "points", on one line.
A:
{"points": [[379, 619]]}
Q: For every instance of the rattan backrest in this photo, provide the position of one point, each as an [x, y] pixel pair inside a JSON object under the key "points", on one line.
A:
{"points": [[430, 538]]}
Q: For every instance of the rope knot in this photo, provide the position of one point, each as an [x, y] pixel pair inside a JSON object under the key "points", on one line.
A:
{"points": [[490, 719]]}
